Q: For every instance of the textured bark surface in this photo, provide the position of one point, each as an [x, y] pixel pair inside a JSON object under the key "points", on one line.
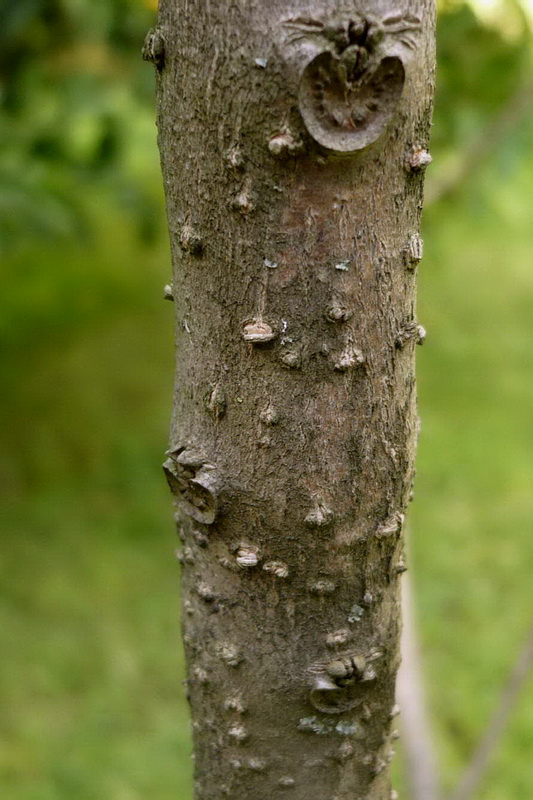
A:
{"points": [[293, 139]]}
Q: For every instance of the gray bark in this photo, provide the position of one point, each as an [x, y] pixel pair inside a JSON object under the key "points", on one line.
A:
{"points": [[293, 139]]}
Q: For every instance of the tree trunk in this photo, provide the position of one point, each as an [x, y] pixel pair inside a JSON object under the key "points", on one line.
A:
{"points": [[293, 142]]}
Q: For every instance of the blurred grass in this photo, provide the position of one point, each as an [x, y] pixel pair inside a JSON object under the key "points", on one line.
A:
{"points": [[473, 516], [92, 705]]}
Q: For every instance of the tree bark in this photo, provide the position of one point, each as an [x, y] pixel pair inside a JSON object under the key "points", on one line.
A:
{"points": [[293, 140]]}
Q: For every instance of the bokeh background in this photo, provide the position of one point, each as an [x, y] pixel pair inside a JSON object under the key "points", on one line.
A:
{"points": [[92, 705]]}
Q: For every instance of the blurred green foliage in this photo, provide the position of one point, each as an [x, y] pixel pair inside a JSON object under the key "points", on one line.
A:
{"points": [[92, 706], [77, 117]]}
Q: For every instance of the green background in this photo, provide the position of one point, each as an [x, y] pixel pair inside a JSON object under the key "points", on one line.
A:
{"points": [[92, 705]]}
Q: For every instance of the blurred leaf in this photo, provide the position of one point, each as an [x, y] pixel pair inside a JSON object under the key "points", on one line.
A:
{"points": [[74, 100]]}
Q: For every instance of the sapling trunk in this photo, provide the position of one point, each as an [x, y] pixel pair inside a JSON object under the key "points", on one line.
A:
{"points": [[293, 141]]}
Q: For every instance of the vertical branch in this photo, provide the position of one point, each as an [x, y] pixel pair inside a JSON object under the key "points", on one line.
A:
{"points": [[420, 758], [293, 143]]}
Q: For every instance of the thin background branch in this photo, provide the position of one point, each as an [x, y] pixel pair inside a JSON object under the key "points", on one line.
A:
{"points": [[503, 123], [481, 760], [420, 758], [422, 774]]}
